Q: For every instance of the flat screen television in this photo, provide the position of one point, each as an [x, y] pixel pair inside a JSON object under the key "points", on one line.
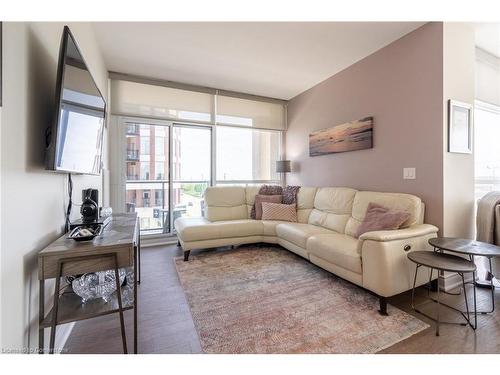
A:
{"points": [[74, 140]]}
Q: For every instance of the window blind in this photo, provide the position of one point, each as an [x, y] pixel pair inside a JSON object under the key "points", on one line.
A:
{"points": [[149, 100], [138, 99], [251, 113]]}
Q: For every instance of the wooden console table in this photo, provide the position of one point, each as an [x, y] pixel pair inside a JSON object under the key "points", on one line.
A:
{"points": [[118, 246]]}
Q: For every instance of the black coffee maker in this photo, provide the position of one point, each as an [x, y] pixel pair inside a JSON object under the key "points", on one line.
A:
{"points": [[90, 206]]}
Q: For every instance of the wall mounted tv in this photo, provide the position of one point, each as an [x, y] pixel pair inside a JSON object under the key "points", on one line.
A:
{"points": [[74, 141]]}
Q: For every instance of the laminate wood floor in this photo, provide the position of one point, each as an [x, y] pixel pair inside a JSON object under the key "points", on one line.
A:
{"points": [[166, 325]]}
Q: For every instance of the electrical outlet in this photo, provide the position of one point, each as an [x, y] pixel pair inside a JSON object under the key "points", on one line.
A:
{"points": [[409, 174]]}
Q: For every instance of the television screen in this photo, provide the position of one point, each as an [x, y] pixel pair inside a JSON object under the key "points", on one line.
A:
{"points": [[75, 144]]}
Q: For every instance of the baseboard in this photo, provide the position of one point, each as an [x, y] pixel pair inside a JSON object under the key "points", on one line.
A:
{"points": [[451, 281], [160, 241]]}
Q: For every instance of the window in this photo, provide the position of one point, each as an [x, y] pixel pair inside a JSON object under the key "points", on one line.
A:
{"points": [[160, 172], [144, 170], [486, 149], [168, 165], [247, 155], [192, 154]]}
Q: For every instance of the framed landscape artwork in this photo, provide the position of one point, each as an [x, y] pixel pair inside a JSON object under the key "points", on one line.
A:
{"points": [[351, 136]]}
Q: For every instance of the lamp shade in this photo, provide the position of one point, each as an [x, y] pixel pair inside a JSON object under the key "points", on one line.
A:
{"points": [[283, 166]]}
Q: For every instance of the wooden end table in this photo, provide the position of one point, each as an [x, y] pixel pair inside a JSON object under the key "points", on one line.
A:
{"points": [[118, 246]]}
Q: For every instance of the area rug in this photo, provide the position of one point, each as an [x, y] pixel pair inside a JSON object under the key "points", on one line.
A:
{"points": [[268, 300]]}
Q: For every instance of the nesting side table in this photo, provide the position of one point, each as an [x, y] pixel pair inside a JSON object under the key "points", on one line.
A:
{"points": [[444, 262], [472, 249]]}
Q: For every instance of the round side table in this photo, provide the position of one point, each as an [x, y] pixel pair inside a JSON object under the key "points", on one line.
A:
{"points": [[444, 262], [472, 249]]}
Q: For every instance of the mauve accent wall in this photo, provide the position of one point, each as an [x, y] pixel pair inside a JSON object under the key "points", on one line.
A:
{"points": [[401, 86]]}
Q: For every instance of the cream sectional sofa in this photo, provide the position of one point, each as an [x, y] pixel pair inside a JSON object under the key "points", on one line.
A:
{"points": [[328, 218]]}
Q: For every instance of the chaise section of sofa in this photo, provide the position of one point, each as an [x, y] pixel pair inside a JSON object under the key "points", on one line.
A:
{"points": [[325, 234]]}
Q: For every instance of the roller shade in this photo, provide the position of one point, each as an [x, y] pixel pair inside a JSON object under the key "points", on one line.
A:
{"points": [[251, 113], [487, 77], [138, 99]]}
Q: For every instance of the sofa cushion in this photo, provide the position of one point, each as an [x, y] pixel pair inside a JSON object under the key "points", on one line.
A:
{"points": [[339, 249], [334, 200], [298, 233], [269, 227], [394, 201], [200, 229], [225, 203], [278, 211], [305, 203], [332, 208]]}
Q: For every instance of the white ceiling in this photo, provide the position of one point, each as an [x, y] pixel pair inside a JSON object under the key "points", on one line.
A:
{"points": [[488, 37], [275, 59]]}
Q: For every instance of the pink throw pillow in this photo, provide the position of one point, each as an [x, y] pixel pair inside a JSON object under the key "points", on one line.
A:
{"points": [[265, 198], [378, 217], [277, 211]]}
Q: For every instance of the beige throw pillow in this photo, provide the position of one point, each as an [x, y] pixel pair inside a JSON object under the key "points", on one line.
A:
{"points": [[277, 211]]}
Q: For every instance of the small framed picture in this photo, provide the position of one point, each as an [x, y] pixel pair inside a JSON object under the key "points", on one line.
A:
{"points": [[459, 127]]}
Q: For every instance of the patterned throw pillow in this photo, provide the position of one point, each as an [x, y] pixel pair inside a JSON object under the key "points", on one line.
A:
{"points": [[259, 199], [290, 194], [277, 211], [378, 217]]}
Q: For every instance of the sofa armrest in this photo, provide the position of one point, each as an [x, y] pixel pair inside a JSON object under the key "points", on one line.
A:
{"points": [[399, 234]]}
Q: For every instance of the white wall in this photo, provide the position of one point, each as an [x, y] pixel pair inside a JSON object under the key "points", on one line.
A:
{"points": [[33, 200], [459, 84]]}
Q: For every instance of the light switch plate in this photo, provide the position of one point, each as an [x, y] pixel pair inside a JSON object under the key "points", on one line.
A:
{"points": [[409, 174]]}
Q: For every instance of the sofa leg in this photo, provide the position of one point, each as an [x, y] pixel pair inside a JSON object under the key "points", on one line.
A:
{"points": [[383, 305], [186, 255]]}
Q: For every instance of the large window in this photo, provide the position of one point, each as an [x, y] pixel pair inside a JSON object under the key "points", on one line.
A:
{"points": [[180, 140], [247, 155], [192, 152], [486, 149]]}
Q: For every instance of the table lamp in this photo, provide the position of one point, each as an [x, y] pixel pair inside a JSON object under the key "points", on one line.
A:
{"points": [[283, 166]]}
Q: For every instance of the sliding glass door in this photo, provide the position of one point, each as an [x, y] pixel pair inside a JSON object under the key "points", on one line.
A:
{"points": [[147, 175], [168, 168]]}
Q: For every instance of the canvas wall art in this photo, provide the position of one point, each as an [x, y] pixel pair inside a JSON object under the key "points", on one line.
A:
{"points": [[351, 136]]}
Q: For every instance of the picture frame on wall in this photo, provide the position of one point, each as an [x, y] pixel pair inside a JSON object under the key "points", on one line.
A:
{"points": [[459, 127]]}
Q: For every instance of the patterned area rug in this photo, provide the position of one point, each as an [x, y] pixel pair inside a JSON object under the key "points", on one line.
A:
{"points": [[268, 300]]}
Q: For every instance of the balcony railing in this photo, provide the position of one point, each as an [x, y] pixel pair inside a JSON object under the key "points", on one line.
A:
{"points": [[133, 155], [132, 176], [133, 129], [161, 209]]}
